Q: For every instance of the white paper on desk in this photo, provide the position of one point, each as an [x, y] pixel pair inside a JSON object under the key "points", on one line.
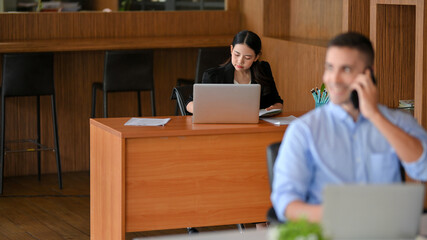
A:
{"points": [[147, 121], [280, 120]]}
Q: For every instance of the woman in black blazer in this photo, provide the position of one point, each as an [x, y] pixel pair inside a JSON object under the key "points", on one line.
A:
{"points": [[244, 68]]}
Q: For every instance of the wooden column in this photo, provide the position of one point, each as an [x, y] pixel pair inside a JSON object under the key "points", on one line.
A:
{"points": [[396, 31]]}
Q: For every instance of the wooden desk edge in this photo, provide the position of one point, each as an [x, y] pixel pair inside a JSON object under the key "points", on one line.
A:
{"points": [[93, 121], [118, 128]]}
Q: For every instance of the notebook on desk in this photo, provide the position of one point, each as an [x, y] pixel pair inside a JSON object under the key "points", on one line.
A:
{"points": [[226, 103], [372, 211]]}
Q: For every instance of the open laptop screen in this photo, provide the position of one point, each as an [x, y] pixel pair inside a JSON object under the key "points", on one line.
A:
{"points": [[387, 211], [226, 103]]}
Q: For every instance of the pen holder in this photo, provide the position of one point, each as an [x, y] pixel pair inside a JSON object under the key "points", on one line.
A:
{"points": [[320, 97], [319, 104]]}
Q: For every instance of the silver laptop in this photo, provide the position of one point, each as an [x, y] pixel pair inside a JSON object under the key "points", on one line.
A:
{"points": [[226, 103], [389, 212]]}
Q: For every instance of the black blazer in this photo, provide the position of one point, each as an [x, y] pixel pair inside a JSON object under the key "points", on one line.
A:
{"points": [[225, 74]]}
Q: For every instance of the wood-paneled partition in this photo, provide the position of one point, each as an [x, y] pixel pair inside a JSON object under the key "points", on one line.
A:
{"points": [[295, 34], [79, 41], [397, 31]]}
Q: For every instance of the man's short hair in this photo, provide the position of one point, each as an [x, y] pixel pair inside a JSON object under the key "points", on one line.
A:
{"points": [[356, 41]]}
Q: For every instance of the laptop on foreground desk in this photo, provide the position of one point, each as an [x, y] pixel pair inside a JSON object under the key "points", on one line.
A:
{"points": [[226, 103], [372, 212]]}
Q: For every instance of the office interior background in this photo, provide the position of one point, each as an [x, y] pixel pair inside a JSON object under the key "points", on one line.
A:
{"points": [[294, 34]]}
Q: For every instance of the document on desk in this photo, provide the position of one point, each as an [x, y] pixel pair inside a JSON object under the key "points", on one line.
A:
{"points": [[147, 121], [280, 120]]}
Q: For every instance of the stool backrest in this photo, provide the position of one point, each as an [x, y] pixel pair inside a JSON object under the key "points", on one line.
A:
{"points": [[128, 71], [209, 58], [27, 74], [182, 93]]}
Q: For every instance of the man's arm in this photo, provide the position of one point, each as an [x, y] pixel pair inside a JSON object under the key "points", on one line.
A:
{"points": [[408, 148], [298, 209], [292, 176]]}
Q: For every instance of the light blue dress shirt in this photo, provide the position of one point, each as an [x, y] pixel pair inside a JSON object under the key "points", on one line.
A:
{"points": [[326, 146]]}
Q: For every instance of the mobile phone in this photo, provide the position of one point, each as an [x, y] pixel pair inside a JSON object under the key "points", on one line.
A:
{"points": [[354, 97]]}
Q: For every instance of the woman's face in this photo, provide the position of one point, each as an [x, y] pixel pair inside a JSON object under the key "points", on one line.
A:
{"points": [[242, 57]]}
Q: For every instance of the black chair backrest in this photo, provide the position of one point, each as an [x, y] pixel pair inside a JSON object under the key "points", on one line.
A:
{"points": [[27, 74], [128, 71], [272, 151], [182, 93], [209, 58]]}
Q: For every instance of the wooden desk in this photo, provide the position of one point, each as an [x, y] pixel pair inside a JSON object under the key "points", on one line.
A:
{"points": [[176, 176]]}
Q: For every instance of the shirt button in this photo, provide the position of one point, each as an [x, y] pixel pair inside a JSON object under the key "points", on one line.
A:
{"points": [[358, 160]]}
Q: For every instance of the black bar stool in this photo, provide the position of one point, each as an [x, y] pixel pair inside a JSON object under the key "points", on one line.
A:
{"points": [[126, 71], [29, 74]]}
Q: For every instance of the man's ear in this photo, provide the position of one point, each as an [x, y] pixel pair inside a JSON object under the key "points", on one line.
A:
{"points": [[231, 49]]}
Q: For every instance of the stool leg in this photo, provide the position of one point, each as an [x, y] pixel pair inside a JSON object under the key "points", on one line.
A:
{"points": [[55, 132], [153, 103], [105, 105], [139, 103], [38, 139], [241, 227], [3, 122], [92, 115]]}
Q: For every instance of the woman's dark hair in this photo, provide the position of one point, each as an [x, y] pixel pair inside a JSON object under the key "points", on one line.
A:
{"points": [[253, 41], [250, 39]]}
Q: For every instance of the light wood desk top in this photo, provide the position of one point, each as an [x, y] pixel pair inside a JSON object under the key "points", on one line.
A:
{"points": [[91, 44], [181, 126]]}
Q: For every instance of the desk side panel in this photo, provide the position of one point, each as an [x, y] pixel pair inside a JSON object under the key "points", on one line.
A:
{"points": [[106, 185], [192, 181]]}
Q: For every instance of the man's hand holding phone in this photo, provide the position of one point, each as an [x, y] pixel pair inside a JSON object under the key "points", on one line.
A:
{"points": [[365, 91]]}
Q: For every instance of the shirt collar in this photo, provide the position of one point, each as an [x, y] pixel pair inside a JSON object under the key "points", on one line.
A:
{"points": [[341, 114]]}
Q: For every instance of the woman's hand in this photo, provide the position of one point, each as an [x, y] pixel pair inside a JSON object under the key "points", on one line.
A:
{"points": [[190, 107], [275, 106]]}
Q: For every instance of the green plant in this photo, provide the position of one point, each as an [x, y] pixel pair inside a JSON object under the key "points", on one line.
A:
{"points": [[125, 5], [300, 230], [322, 88], [39, 5]]}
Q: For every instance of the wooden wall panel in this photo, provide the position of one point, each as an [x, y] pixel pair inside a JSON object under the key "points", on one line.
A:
{"points": [[252, 15], [76, 71], [395, 64], [356, 16], [297, 68], [27, 26], [423, 64], [276, 16], [305, 19], [233, 5]]}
